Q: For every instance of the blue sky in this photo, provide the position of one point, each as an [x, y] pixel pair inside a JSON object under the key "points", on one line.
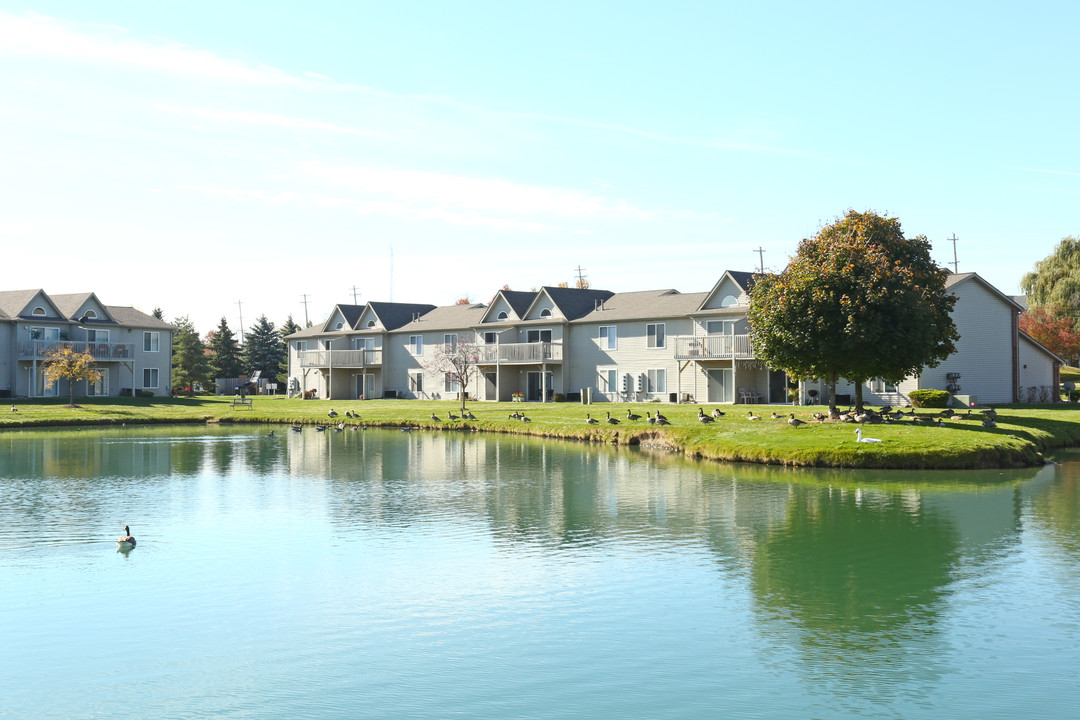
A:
{"points": [[190, 155]]}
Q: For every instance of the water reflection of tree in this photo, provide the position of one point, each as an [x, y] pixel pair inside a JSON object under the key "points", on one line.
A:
{"points": [[1057, 507], [863, 578]]}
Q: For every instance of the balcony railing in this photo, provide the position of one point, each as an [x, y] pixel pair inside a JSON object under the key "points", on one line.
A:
{"points": [[102, 351], [340, 358], [714, 347], [521, 353]]}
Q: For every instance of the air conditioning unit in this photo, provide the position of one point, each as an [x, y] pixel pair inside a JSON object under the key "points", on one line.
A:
{"points": [[626, 380], [642, 383]]}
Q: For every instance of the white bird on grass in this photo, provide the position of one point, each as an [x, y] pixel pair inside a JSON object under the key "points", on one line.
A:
{"points": [[860, 438]]}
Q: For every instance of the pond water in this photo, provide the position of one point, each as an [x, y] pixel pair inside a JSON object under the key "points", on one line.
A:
{"points": [[431, 575]]}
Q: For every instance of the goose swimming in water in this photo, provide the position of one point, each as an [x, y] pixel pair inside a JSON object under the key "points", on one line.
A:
{"points": [[127, 541]]}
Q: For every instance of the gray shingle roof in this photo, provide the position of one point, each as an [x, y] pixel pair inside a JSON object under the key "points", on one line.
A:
{"points": [[645, 304], [575, 303], [447, 317], [394, 315]]}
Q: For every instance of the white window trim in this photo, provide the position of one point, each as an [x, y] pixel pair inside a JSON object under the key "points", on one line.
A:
{"points": [[153, 339], [416, 345], [611, 342], [654, 374], [155, 377], [450, 341], [650, 340]]}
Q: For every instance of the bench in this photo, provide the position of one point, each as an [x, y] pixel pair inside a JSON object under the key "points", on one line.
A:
{"points": [[241, 402]]}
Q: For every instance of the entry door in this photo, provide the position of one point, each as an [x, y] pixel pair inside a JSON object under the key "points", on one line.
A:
{"points": [[720, 385], [365, 385], [532, 389], [491, 382]]}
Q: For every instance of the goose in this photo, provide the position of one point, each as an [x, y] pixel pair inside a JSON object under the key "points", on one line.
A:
{"points": [[320, 428], [435, 418], [591, 420], [354, 428], [468, 415], [795, 422], [661, 420], [339, 427], [751, 416], [127, 541], [270, 434], [515, 415], [990, 413], [863, 417], [775, 416], [649, 418], [820, 417], [611, 420], [860, 438], [14, 409], [660, 417], [632, 416], [332, 413], [703, 418], [989, 423], [717, 413], [296, 428], [451, 416], [525, 419], [885, 409]]}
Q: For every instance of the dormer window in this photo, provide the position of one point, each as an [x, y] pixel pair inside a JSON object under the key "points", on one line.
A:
{"points": [[38, 312], [339, 326], [90, 315], [545, 313], [729, 301], [371, 323], [503, 315]]}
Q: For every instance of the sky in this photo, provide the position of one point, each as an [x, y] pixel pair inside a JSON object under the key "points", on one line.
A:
{"points": [[250, 158]]}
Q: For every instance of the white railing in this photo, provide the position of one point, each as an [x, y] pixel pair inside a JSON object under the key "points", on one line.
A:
{"points": [[340, 358], [102, 351], [714, 347], [538, 352]]}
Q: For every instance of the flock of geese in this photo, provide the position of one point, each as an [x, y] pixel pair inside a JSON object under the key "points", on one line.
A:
{"points": [[886, 415]]}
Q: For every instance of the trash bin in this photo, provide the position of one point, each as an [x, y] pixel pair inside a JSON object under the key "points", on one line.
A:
{"points": [[586, 396]]}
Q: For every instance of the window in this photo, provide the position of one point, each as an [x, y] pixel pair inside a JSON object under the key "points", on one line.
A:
{"points": [[100, 388], [655, 333], [300, 345], [720, 327], [89, 315], [339, 325], [545, 313], [150, 343], [416, 382], [44, 333], [450, 383], [93, 335], [371, 323], [657, 381], [729, 301], [490, 338], [450, 341], [38, 312], [503, 315], [417, 343], [609, 338], [881, 386], [536, 336], [609, 380], [150, 377]]}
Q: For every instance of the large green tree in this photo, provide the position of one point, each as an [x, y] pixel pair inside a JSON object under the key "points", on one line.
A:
{"points": [[190, 367], [859, 301], [225, 359], [1054, 283], [264, 350]]}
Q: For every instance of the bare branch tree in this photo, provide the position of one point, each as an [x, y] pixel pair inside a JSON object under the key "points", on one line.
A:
{"points": [[458, 363]]}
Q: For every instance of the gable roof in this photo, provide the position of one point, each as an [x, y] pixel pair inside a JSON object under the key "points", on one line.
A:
{"points": [[394, 315], [519, 301], [446, 317], [1039, 346], [573, 303], [70, 304], [646, 304], [744, 280], [958, 279], [127, 315], [14, 302]]}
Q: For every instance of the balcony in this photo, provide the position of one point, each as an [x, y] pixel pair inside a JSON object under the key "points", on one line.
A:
{"points": [[714, 347], [519, 353], [340, 358], [102, 351]]}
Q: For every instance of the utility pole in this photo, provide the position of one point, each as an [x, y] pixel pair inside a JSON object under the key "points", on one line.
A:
{"points": [[580, 276], [304, 301], [353, 294], [761, 258], [955, 265], [391, 273], [240, 305]]}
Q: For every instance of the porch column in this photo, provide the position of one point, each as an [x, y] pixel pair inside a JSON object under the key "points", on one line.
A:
{"points": [[543, 381]]}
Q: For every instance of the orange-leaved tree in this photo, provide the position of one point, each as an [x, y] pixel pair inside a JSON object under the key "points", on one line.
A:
{"points": [[63, 363]]}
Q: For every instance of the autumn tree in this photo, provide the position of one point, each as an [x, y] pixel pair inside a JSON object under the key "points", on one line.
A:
{"points": [[190, 366], [458, 361], [1054, 331], [860, 301], [63, 363]]}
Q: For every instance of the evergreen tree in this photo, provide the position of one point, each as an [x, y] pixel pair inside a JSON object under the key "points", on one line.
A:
{"points": [[286, 330], [225, 361], [264, 350], [190, 366], [158, 314]]}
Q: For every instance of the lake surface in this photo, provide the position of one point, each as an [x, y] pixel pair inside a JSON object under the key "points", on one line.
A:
{"points": [[433, 575]]}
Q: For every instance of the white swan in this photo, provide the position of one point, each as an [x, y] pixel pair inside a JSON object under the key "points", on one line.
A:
{"points": [[860, 438]]}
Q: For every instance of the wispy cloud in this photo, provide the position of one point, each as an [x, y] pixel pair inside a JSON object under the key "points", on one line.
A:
{"points": [[239, 117], [1051, 172], [35, 35]]}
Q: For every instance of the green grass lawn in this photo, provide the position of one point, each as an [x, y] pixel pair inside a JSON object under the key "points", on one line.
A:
{"points": [[1022, 434]]}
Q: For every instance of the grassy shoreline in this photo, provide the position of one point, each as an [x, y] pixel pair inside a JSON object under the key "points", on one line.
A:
{"points": [[1023, 433]]}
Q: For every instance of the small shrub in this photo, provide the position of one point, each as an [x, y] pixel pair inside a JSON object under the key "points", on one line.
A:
{"points": [[929, 398], [559, 397], [1074, 395]]}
